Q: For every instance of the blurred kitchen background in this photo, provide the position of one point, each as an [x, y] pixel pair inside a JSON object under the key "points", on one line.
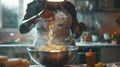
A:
{"points": [[100, 17]]}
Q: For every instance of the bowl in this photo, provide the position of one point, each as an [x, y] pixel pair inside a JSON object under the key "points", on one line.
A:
{"points": [[52, 59]]}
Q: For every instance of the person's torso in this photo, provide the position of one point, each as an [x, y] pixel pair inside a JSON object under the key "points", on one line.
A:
{"points": [[61, 28]]}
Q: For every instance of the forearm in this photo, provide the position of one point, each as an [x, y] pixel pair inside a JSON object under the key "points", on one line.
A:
{"points": [[28, 24], [74, 26]]}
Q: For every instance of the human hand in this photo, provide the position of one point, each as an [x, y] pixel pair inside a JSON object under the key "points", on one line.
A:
{"points": [[47, 15]]}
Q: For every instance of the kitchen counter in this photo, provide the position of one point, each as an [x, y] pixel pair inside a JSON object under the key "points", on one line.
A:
{"points": [[113, 64], [106, 52], [79, 44], [15, 45], [96, 44]]}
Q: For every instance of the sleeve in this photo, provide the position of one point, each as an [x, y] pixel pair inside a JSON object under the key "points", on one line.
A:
{"points": [[29, 11], [33, 8]]}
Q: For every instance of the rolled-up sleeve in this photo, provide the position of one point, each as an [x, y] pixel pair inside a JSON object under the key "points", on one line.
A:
{"points": [[33, 8]]}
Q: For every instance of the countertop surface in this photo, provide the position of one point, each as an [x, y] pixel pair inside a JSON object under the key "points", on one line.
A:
{"points": [[113, 64], [15, 45], [95, 44], [79, 44]]}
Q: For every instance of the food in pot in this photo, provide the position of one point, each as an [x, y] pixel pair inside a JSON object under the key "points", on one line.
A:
{"points": [[51, 47], [54, 48]]}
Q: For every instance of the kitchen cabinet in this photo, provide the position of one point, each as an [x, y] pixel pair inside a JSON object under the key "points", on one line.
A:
{"points": [[106, 53], [14, 51], [110, 54], [82, 51], [97, 5], [7, 52]]}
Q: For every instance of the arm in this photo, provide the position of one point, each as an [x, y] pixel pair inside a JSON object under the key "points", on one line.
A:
{"points": [[31, 17], [74, 26], [27, 25], [80, 27]]}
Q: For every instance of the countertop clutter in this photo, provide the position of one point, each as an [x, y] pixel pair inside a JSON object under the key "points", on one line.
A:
{"points": [[13, 62]]}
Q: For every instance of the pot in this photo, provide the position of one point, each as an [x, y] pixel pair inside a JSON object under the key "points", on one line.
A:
{"points": [[52, 59]]}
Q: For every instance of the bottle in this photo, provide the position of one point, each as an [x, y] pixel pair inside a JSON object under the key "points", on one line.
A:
{"points": [[86, 36], [113, 39], [90, 58]]}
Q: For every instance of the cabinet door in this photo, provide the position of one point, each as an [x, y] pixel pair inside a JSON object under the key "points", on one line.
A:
{"points": [[83, 50], [110, 54], [7, 52], [21, 53]]}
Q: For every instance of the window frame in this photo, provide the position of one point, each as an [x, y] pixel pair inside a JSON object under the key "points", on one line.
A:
{"points": [[0, 15]]}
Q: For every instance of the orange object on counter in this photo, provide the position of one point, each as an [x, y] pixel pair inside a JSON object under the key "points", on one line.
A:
{"points": [[13, 62], [90, 58], [17, 62]]}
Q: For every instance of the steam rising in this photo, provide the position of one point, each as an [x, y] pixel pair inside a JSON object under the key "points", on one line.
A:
{"points": [[61, 31]]}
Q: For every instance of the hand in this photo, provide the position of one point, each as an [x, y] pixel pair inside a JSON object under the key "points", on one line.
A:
{"points": [[47, 15], [79, 29]]}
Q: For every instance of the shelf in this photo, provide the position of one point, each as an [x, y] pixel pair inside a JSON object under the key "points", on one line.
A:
{"points": [[98, 11], [84, 6]]}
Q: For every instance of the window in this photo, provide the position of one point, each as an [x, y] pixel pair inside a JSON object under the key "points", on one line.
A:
{"points": [[11, 12]]}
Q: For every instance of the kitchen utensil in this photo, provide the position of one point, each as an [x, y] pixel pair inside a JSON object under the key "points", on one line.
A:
{"points": [[52, 59]]}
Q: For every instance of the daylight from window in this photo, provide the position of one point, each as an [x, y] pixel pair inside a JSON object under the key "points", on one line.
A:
{"points": [[11, 12]]}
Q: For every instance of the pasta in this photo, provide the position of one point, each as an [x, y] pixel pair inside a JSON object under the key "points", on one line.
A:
{"points": [[50, 47], [54, 48]]}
